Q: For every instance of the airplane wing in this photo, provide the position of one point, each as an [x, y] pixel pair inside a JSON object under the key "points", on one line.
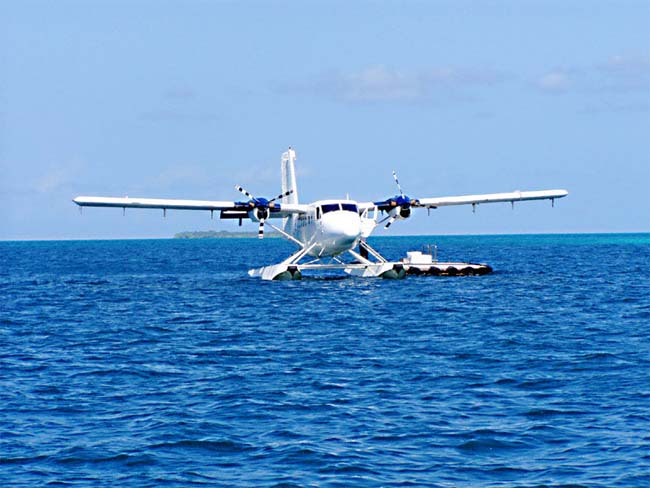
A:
{"points": [[162, 203], [278, 210], [515, 196]]}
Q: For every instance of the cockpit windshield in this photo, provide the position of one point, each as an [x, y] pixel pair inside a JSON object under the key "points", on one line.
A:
{"points": [[335, 207], [330, 207], [350, 207]]}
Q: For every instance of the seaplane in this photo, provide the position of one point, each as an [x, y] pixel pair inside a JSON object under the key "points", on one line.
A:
{"points": [[329, 234]]}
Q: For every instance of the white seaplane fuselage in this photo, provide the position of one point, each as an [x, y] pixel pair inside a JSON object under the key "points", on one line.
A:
{"points": [[332, 226]]}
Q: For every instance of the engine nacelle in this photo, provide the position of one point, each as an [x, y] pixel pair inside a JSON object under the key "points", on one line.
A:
{"points": [[258, 214], [400, 213]]}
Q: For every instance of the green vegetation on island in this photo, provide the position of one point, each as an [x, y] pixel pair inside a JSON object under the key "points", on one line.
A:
{"points": [[219, 234]]}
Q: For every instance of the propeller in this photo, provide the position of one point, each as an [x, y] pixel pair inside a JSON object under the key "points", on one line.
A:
{"points": [[261, 207], [398, 207], [397, 183], [390, 221]]}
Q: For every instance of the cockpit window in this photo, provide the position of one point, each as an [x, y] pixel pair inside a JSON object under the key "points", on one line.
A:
{"points": [[330, 207], [350, 207]]}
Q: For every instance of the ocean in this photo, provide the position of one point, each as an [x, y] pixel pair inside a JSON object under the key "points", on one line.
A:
{"points": [[161, 363]]}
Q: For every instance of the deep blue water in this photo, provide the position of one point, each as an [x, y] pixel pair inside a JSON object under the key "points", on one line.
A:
{"points": [[160, 363]]}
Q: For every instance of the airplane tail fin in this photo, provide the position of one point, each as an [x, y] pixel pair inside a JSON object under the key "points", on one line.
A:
{"points": [[289, 176], [289, 183]]}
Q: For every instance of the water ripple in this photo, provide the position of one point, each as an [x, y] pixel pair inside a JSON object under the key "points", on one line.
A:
{"points": [[160, 363]]}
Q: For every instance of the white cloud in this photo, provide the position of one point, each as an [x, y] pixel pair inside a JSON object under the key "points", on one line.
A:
{"points": [[457, 77], [174, 115], [617, 75], [382, 84], [635, 65], [554, 82], [626, 73]]}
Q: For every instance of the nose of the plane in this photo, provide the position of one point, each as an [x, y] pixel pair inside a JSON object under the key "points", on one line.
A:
{"points": [[351, 228], [344, 224]]}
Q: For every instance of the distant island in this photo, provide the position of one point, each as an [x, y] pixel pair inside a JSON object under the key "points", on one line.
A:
{"points": [[219, 234]]}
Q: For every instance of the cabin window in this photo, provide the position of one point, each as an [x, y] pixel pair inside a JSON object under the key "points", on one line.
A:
{"points": [[331, 207], [350, 207], [317, 213]]}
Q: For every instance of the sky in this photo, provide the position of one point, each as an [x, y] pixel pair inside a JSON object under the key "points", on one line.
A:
{"points": [[171, 99]]}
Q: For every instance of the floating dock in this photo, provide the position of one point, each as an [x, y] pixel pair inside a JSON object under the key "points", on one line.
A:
{"points": [[420, 263]]}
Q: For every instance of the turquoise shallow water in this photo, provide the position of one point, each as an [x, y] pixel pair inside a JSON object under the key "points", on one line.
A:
{"points": [[160, 363]]}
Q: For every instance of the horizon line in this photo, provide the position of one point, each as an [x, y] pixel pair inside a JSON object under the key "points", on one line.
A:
{"points": [[65, 239]]}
